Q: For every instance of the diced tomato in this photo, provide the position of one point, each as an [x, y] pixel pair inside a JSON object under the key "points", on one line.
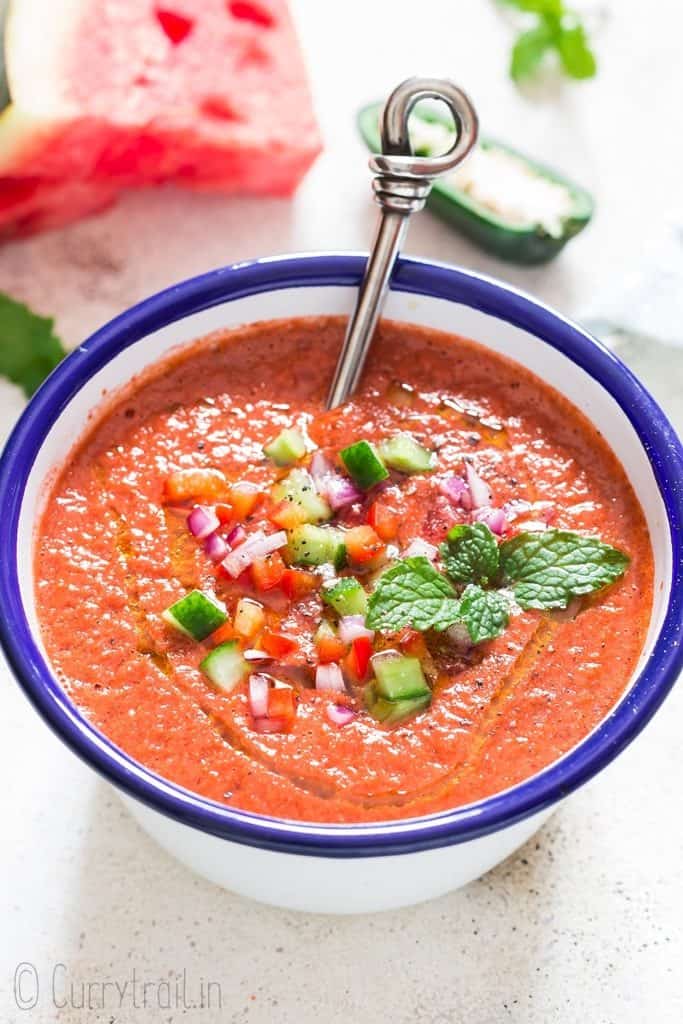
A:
{"points": [[243, 498], [277, 644], [249, 618], [206, 485], [223, 633], [297, 583], [287, 515], [385, 521], [412, 642], [267, 572], [330, 648], [362, 544], [282, 703], [224, 513], [361, 649]]}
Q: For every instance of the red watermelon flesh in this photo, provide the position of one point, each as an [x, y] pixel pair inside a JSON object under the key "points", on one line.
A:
{"points": [[210, 95]]}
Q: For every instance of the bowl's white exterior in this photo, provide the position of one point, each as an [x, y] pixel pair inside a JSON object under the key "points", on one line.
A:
{"points": [[333, 885], [355, 884]]}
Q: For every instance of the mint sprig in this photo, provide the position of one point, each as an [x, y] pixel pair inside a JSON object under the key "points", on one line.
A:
{"points": [[485, 613], [549, 568], [558, 30], [470, 553], [412, 593], [29, 349]]}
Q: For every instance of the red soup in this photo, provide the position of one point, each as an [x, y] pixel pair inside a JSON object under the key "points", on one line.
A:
{"points": [[397, 607]]}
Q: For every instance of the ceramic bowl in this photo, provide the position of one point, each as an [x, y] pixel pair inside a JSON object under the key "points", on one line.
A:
{"points": [[364, 867]]}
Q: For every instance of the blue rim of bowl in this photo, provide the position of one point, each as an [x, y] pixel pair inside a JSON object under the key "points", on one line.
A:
{"points": [[436, 280]]}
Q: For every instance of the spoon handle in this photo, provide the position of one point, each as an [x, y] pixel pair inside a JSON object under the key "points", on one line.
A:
{"points": [[401, 184]]}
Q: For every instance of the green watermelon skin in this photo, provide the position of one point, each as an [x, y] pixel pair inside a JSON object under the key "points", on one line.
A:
{"points": [[209, 95]]}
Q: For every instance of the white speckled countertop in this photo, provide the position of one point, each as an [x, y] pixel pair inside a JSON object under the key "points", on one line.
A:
{"points": [[586, 922]]}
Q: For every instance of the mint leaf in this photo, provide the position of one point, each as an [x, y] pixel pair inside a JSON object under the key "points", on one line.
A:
{"points": [[485, 613], [529, 50], [470, 553], [578, 60], [29, 350], [412, 593], [547, 569]]}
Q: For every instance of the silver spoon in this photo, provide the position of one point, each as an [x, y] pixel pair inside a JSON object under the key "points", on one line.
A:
{"points": [[402, 183]]}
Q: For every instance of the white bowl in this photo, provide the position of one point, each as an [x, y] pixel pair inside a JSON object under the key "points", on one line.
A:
{"points": [[364, 867]]}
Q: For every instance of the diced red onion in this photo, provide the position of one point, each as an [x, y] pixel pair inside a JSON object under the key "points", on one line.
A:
{"points": [[479, 489], [338, 490], [237, 536], [215, 547], [421, 547], [255, 546], [259, 686], [458, 635], [202, 521], [320, 469], [329, 678], [340, 715], [256, 656], [351, 627], [515, 508], [493, 517], [456, 490]]}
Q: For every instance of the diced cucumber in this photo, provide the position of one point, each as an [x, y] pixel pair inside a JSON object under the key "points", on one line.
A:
{"points": [[299, 489], [390, 712], [364, 464], [346, 596], [316, 545], [402, 452], [196, 615], [225, 666], [325, 631], [399, 678], [287, 448]]}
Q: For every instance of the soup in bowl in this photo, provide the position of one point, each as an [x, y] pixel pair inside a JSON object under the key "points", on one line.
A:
{"points": [[342, 660]]}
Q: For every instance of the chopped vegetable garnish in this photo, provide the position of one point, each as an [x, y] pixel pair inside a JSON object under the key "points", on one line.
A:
{"points": [[225, 665], [364, 464], [202, 522], [329, 678], [277, 644], [297, 583], [268, 572], [362, 544], [196, 484], [398, 677], [391, 712], [196, 615], [287, 448], [243, 499], [298, 501], [249, 618], [361, 652], [253, 548], [351, 627], [328, 645], [317, 545], [346, 596], [480, 492], [384, 520], [405, 454], [340, 715]]}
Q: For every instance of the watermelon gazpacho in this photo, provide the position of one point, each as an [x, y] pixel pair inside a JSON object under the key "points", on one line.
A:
{"points": [[385, 610]]}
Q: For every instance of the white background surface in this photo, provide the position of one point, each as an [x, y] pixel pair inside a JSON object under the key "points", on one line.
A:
{"points": [[586, 923]]}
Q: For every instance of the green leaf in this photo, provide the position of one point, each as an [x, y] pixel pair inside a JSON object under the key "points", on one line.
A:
{"points": [[412, 593], [470, 553], [485, 613], [29, 350], [547, 569], [529, 50], [578, 60]]}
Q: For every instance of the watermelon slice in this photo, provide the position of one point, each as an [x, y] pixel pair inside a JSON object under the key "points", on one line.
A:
{"points": [[111, 94]]}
